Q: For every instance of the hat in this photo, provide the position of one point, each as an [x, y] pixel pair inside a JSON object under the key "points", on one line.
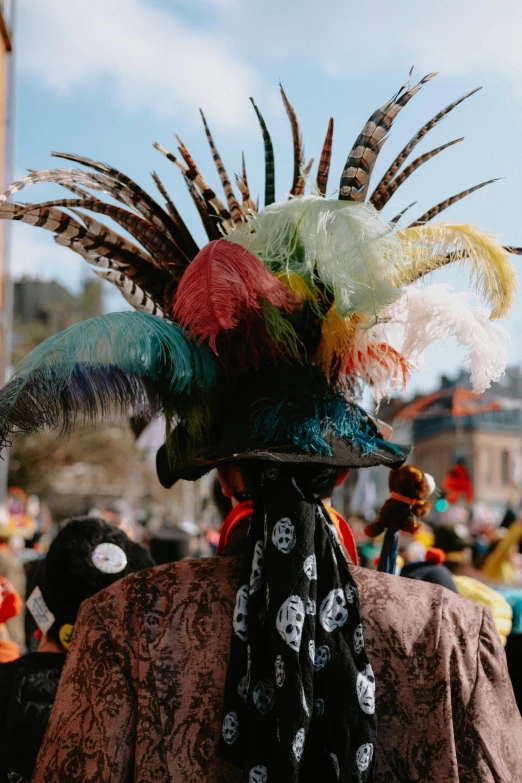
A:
{"points": [[321, 289], [448, 539], [86, 556]]}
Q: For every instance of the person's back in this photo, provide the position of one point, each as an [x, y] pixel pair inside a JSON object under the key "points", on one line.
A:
{"points": [[151, 688]]}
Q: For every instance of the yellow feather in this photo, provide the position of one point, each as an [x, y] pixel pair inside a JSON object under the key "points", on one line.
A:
{"points": [[336, 336], [299, 285], [434, 245]]}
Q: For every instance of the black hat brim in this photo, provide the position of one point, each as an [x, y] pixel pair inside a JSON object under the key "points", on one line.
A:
{"points": [[344, 454]]}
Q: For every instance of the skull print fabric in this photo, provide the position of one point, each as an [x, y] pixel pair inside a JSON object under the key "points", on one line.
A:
{"points": [[300, 692]]}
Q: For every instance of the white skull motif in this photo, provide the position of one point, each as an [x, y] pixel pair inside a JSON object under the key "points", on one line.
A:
{"points": [[333, 612], [283, 535], [358, 639], [363, 756], [258, 774], [336, 766], [263, 695], [310, 607], [349, 592], [298, 744], [366, 690], [240, 619], [321, 657], [290, 620], [319, 707], [230, 728], [310, 567], [256, 575], [311, 649], [279, 671]]}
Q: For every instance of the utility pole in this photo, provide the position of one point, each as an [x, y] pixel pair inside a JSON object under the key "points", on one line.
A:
{"points": [[7, 84]]}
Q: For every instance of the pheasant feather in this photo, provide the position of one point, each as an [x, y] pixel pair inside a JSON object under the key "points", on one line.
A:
{"points": [[269, 159], [438, 208], [297, 142], [324, 163], [408, 149], [387, 193], [359, 166], [235, 209]]}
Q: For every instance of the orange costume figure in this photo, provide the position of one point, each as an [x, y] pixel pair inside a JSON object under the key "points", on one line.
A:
{"points": [[10, 606], [457, 484]]}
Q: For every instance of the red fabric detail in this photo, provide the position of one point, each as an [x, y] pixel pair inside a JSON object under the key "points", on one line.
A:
{"points": [[345, 533], [244, 511], [10, 602], [222, 285], [435, 555]]}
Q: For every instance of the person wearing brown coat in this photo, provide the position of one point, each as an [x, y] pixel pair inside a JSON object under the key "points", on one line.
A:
{"points": [[141, 694], [280, 661]]}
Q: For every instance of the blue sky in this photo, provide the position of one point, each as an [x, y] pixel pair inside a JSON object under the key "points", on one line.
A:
{"points": [[105, 79]]}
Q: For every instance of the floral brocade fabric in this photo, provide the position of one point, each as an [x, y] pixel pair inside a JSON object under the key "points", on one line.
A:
{"points": [[142, 691]]}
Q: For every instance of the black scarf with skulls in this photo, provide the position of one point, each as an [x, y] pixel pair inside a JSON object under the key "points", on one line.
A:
{"points": [[299, 700]]}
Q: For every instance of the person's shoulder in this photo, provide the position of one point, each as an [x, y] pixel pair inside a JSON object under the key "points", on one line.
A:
{"points": [[420, 610], [152, 589]]}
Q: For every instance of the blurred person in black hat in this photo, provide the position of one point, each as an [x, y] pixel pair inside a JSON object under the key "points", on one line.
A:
{"points": [[86, 556]]}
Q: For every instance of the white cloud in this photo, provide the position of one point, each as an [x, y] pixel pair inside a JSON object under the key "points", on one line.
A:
{"points": [[153, 59], [467, 37]]}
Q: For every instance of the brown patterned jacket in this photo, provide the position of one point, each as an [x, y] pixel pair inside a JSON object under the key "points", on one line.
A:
{"points": [[140, 697]]}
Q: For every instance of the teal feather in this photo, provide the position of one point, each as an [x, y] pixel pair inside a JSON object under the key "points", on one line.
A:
{"points": [[305, 419], [134, 342], [120, 364]]}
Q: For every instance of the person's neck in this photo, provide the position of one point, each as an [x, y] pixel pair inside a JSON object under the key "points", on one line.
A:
{"points": [[47, 645]]}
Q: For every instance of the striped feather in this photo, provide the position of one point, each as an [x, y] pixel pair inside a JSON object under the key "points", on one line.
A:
{"points": [[235, 210], [402, 212], [297, 142], [161, 249], [210, 222], [131, 292], [301, 182], [438, 208], [192, 174], [387, 193], [122, 181], [269, 158], [359, 166], [242, 183], [324, 163], [407, 150], [188, 245]]}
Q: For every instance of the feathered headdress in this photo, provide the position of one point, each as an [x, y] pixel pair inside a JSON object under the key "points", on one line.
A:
{"points": [[316, 282]]}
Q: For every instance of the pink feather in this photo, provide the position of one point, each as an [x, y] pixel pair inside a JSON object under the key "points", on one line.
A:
{"points": [[222, 285]]}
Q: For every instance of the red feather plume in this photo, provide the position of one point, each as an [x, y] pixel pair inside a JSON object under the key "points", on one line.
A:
{"points": [[222, 285]]}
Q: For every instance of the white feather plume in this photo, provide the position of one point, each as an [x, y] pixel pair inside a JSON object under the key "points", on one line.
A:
{"points": [[343, 243], [429, 313]]}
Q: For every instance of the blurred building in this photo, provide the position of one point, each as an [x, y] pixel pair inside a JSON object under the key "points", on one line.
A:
{"points": [[483, 431], [44, 307]]}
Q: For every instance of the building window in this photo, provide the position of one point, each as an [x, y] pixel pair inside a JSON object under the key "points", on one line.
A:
{"points": [[488, 466], [504, 467]]}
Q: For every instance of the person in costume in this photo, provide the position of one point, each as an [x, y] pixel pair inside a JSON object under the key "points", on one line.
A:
{"points": [[282, 662], [86, 556]]}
